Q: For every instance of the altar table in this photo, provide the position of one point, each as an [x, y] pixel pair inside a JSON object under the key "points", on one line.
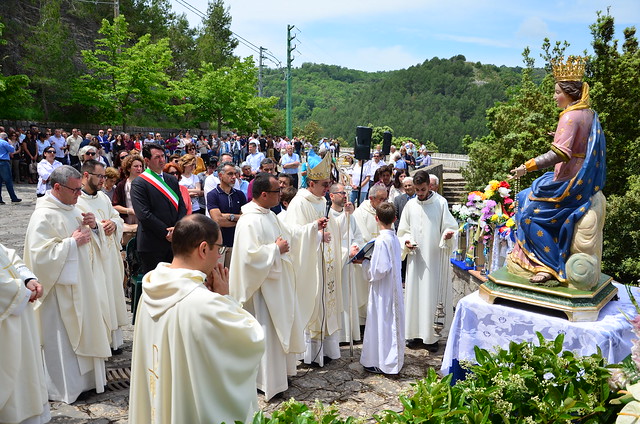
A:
{"points": [[478, 323]]}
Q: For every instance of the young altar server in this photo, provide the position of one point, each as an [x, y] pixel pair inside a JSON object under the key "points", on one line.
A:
{"points": [[383, 345]]}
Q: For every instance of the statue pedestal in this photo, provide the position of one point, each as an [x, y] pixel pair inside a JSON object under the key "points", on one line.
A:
{"points": [[578, 305]]}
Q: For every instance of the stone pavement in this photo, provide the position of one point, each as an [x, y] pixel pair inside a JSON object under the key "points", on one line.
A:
{"points": [[343, 382]]}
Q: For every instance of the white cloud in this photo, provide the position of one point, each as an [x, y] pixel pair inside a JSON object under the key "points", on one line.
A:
{"points": [[376, 59], [474, 40], [534, 28]]}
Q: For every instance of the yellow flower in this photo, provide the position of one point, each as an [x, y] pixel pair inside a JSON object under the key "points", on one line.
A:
{"points": [[494, 185], [495, 217], [510, 222], [489, 194]]}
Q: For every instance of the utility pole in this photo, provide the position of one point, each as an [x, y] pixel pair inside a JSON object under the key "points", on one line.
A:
{"points": [[260, 65], [116, 8], [290, 49]]}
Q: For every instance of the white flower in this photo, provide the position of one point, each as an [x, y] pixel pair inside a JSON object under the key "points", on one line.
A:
{"points": [[504, 192]]}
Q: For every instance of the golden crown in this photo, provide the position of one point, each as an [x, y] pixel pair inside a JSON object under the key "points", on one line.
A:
{"points": [[571, 70]]}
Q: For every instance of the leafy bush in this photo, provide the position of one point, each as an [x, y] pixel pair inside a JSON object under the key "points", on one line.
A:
{"points": [[295, 412], [524, 384]]}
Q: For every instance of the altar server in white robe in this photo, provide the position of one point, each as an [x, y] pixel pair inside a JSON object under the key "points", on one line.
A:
{"points": [[342, 212], [264, 277], [108, 266], [58, 249], [383, 345], [195, 351], [365, 216], [426, 233], [309, 205], [23, 392]]}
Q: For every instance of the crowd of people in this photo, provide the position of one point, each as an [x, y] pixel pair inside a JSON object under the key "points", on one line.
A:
{"points": [[250, 262]]}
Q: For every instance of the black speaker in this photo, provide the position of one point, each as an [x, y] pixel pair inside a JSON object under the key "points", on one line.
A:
{"points": [[386, 142], [362, 149]]}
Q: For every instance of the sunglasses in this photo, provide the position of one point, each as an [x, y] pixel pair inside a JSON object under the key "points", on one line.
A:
{"points": [[90, 153]]}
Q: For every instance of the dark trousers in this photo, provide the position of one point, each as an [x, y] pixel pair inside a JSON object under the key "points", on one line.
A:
{"points": [[5, 176]]}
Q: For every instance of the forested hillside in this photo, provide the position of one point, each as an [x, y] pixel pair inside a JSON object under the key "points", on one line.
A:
{"points": [[441, 100]]}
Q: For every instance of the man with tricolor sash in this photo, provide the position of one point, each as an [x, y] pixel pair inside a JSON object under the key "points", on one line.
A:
{"points": [[158, 206]]}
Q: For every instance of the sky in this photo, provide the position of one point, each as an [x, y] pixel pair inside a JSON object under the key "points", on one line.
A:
{"points": [[383, 35]]}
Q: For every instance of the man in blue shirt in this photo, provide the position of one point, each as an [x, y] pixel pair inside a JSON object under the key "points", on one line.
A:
{"points": [[6, 149], [224, 203]]}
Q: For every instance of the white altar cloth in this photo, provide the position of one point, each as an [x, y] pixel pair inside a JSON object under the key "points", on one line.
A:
{"points": [[478, 323]]}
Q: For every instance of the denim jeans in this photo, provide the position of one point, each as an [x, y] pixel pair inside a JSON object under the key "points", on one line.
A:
{"points": [[5, 176]]}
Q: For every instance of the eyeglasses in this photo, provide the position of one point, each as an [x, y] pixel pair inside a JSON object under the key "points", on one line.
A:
{"points": [[49, 151], [173, 173], [75, 190], [344, 193], [90, 153], [100, 176], [221, 249], [274, 191], [123, 157]]}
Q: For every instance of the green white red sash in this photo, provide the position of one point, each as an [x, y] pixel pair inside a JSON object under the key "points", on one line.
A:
{"points": [[155, 180]]}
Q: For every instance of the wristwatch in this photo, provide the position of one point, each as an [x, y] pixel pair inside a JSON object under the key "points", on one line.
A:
{"points": [[232, 217]]}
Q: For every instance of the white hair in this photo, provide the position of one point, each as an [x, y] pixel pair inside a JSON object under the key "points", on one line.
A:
{"points": [[434, 179]]}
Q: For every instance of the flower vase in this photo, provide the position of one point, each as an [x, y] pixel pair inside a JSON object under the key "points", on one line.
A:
{"points": [[461, 248], [470, 257]]}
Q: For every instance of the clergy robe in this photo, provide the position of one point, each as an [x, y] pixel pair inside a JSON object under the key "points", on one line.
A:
{"points": [[268, 285], [195, 353], [23, 392], [350, 236], [108, 265], [365, 216], [75, 337], [383, 344], [428, 279], [325, 271]]}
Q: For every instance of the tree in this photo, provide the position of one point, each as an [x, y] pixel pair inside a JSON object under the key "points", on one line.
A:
{"points": [[123, 79], [518, 130], [13, 90], [215, 43], [311, 131], [615, 94], [376, 136], [227, 96], [46, 60]]}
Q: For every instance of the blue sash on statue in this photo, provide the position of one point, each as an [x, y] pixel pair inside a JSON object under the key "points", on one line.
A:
{"points": [[549, 210]]}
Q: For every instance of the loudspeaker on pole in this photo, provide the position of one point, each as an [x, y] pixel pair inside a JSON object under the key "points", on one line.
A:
{"points": [[362, 148], [386, 142]]}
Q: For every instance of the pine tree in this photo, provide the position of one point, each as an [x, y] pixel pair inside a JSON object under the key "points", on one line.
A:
{"points": [[215, 43]]}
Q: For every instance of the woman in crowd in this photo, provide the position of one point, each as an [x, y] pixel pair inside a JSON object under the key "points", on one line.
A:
{"points": [[190, 149], [15, 156], [191, 182], [30, 154], [111, 178], [118, 146], [175, 169], [203, 148], [396, 188], [133, 166], [45, 168]]}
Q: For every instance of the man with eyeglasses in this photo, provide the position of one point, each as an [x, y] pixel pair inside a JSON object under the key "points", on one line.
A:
{"points": [[266, 277], [107, 263], [342, 213], [195, 350], [426, 233], [58, 249], [224, 203], [310, 204]]}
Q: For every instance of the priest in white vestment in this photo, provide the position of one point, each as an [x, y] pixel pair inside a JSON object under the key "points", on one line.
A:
{"points": [[342, 212], [265, 278], [426, 233], [195, 350], [383, 345], [23, 392], [58, 249], [365, 216], [108, 266], [325, 270]]}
